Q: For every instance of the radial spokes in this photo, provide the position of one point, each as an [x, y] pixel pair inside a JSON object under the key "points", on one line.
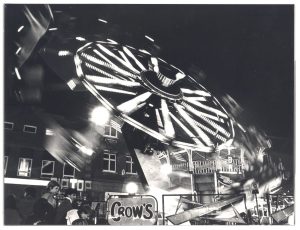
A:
{"points": [[195, 121]]}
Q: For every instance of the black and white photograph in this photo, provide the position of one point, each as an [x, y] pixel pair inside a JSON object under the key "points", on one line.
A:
{"points": [[148, 114]]}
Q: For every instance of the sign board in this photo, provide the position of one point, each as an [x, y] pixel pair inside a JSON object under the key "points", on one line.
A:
{"points": [[132, 210]]}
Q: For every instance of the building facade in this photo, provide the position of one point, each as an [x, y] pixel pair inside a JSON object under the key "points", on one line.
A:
{"points": [[28, 163]]}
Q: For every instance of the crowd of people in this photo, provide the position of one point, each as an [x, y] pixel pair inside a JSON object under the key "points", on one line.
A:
{"points": [[47, 209]]}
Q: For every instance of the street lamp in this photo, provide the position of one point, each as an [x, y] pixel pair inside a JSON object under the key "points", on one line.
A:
{"points": [[100, 115], [131, 188]]}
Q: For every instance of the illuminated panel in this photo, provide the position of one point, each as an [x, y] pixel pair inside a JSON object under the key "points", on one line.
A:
{"points": [[100, 71], [200, 114], [194, 98], [128, 52], [210, 131], [199, 104], [184, 145], [191, 122], [116, 58], [134, 104], [99, 62], [25, 181], [113, 90], [158, 119], [188, 132], [198, 92], [169, 129], [110, 64], [108, 81]]}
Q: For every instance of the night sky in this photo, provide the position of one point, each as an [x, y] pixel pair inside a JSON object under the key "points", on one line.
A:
{"points": [[245, 51]]}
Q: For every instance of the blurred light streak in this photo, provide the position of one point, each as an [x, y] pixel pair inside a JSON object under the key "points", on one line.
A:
{"points": [[49, 132], [102, 20], [149, 38], [86, 150], [17, 73], [80, 39], [62, 53], [18, 50], [54, 28], [20, 29]]}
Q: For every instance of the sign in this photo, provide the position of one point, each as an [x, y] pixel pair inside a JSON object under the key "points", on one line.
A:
{"points": [[132, 210]]}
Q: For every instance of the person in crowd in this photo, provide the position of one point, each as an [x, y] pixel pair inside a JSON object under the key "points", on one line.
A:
{"points": [[65, 206], [79, 222], [40, 214], [48, 202], [11, 213], [26, 203], [53, 188], [83, 213]]}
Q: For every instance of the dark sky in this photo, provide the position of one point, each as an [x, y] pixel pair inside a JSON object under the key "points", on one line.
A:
{"points": [[245, 51]]}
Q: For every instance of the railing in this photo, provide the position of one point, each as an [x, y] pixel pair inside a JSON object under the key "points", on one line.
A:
{"points": [[210, 166]]}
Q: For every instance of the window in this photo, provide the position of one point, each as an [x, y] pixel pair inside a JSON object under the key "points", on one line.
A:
{"points": [[47, 168], [130, 167], [110, 132], [109, 162], [29, 129], [5, 164], [24, 168], [68, 171], [8, 125], [230, 160]]}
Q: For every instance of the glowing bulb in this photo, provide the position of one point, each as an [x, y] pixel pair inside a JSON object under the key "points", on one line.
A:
{"points": [[131, 188], [166, 169], [100, 115]]}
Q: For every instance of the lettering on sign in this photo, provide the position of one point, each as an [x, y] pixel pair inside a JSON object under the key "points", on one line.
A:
{"points": [[132, 210]]}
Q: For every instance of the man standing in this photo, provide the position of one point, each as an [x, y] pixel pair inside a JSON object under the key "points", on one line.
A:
{"points": [[65, 206]]}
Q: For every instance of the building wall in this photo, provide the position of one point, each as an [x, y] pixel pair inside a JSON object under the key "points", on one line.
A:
{"points": [[19, 144]]}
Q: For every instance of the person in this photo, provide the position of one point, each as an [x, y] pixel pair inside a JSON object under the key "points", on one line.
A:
{"points": [[79, 222], [53, 188], [40, 214], [65, 206], [11, 213], [27, 201], [48, 203], [83, 213]]}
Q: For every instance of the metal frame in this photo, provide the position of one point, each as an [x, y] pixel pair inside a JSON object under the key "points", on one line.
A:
{"points": [[193, 195]]}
